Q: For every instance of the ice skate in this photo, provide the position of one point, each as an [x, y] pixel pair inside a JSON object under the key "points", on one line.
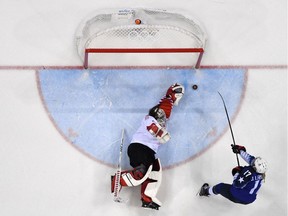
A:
{"points": [[204, 190], [151, 205]]}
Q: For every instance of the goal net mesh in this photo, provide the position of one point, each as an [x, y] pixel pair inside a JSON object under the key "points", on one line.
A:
{"points": [[169, 38]]}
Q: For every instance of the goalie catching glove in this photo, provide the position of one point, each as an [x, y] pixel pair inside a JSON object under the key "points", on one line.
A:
{"points": [[159, 132], [175, 92]]}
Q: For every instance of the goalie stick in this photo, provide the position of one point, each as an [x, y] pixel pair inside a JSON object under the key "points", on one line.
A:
{"points": [[117, 185], [229, 126]]}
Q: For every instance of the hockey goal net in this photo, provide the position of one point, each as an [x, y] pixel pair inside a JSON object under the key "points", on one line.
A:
{"points": [[140, 37]]}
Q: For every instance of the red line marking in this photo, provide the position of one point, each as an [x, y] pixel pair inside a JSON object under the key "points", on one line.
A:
{"points": [[38, 67]]}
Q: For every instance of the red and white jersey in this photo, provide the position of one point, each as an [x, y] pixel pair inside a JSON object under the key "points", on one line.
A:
{"points": [[143, 136], [167, 105]]}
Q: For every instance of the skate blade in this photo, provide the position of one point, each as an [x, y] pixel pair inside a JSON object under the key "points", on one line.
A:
{"points": [[120, 200]]}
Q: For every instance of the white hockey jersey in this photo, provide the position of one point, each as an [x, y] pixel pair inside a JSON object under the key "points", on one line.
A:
{"points": [[143, 136]]}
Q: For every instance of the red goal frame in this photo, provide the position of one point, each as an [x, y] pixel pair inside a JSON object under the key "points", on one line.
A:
{"points": [[144, 50]]}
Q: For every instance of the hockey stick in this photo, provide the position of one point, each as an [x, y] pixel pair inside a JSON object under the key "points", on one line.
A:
{"points": [[229, 126], [118, 173]]}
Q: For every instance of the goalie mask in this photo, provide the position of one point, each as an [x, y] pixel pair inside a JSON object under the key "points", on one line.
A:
{"points": [[158, 114], [259, 165]]}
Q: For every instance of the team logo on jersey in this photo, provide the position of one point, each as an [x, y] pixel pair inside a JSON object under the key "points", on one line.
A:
{"points": [[89, 109]]}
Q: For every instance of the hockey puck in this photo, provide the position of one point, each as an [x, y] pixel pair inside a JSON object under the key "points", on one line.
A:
{"points": [[195, 87]]}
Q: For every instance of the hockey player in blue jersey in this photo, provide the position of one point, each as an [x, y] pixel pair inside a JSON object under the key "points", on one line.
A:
{"points": [[247, 180]]}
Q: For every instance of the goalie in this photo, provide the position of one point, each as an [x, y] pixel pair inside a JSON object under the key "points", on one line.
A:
{"points": [[151, 134]]}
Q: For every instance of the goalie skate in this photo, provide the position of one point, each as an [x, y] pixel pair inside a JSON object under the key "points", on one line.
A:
{"points": [[151, 205]]}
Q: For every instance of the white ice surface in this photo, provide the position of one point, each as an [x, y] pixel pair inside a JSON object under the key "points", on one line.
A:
{"points": [[41, 174]]}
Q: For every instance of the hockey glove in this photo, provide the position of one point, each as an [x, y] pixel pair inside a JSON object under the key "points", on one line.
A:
{"points": [[237, 148], [175, 92], [236, 169]]}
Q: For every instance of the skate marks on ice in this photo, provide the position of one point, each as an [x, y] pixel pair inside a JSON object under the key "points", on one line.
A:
{"points": [[89, 108]]}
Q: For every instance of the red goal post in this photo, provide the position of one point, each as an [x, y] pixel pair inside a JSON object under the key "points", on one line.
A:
{"points": [[159, 32]]}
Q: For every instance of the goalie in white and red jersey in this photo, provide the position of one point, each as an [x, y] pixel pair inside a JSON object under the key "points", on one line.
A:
{"points": [[144, 145]]}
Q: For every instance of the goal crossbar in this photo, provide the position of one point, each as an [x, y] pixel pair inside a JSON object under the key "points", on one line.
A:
{"points": [[144, 50]]}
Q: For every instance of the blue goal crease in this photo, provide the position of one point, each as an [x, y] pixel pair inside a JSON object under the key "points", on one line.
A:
{"points": [[91, 107]]}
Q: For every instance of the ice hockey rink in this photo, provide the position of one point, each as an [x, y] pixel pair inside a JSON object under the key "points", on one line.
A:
{"points": [[61, 126]]}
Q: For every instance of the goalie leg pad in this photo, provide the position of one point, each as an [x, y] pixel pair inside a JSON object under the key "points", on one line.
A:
{"points": [[128, 179], [132, 178], [150, 187]]}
